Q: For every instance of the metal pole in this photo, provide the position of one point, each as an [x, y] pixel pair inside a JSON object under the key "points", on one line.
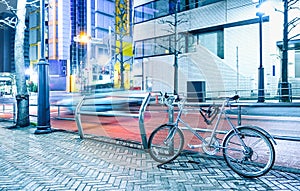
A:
{"points": [[261, 89], [43, 120], [237, 70], [111, 67], [175, 49], [143, 74], [284, 69]]}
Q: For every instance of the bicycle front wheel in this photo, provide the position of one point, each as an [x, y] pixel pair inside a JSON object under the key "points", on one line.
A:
{"points": [[249, 152], [165, 143]]}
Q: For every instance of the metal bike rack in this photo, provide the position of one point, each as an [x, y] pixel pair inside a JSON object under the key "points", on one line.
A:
{"points": [[140, 116]]}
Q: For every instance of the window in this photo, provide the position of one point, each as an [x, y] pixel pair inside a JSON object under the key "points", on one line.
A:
{"points": [[162, 45], [138, 14], [149, 11], [161, 8], [149, 47], [213, 41], [297, 64], [156, 9], [139, 49]]}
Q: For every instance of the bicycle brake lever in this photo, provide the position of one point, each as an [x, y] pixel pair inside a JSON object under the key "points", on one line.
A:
{"points": [[166, 95]]}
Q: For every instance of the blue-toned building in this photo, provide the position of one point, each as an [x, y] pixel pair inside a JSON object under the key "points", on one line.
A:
{"points": [[68, 59], [218, 44]]}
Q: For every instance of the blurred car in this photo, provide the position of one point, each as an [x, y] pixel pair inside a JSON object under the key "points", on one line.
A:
{"points": [[107, 100]]}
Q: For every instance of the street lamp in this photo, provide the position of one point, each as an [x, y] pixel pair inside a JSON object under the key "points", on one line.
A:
{"points": [[261, 89], [43, 120], [85, 39]]}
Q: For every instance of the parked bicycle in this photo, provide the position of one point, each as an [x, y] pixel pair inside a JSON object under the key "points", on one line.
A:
{"points": [[248, 150]]}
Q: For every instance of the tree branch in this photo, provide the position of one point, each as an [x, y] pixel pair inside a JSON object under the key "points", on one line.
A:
{"points": [[11, 22], [293, 37], [166, 48], [294, 22], [291, 3], [8, 7]]}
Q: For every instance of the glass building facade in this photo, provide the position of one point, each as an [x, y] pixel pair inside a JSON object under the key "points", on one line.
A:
{"points": [[93, 18], [66, 20], [212, 38], [223, 33]]}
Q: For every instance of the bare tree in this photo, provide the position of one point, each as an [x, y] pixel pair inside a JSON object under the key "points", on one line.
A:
{"points": [[175, 21], [18, 23]]}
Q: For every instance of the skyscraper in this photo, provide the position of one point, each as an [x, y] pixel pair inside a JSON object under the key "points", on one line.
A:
{"points": [[68, 59]]}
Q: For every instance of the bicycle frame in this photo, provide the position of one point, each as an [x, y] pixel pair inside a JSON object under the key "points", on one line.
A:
{"points": [[221, 112], [247, 150]]}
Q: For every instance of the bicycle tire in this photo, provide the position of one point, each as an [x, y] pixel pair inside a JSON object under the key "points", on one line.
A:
{"points": [[254, 160], [161, 151]]}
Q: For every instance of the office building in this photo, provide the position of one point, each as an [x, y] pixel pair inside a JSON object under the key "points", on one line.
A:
{"points": [[72, 62], [217, 42]]}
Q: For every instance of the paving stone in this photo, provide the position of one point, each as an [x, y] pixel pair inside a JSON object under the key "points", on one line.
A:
{"points": [[62, 161]]}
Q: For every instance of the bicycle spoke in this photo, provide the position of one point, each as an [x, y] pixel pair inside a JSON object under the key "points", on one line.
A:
{"points": [[256, 142], [165, 143]]}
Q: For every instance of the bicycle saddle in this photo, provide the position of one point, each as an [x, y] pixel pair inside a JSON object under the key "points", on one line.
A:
{"points": [[236, 97]]}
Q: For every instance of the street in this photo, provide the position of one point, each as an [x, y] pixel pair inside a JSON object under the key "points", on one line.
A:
{"points": [[127, 128]]}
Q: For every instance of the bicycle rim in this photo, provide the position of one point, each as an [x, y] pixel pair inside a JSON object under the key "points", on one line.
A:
{"points": [[161, 148], [253, 160]]}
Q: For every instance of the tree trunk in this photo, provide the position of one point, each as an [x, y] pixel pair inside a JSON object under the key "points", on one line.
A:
{"points": [[22, 93]]}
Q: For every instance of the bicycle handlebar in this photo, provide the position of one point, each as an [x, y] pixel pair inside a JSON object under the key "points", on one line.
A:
{"points": [[210, 112], [170, 99]]}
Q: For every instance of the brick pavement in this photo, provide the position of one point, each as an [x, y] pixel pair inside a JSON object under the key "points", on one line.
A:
{"points": [[62, 161]]}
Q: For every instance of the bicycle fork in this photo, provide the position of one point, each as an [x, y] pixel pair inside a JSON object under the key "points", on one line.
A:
{"points": [[170, 136]]}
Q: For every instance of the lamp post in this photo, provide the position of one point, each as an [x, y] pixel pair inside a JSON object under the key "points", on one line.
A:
{"points": [[43, 120], [261, 89]]}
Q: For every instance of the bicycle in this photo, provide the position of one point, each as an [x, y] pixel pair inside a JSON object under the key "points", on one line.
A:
{"points": [[248, 150]]}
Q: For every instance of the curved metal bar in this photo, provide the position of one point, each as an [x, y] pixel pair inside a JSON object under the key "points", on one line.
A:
{"points": [[142, 109], [78, 119], [141, 120]]}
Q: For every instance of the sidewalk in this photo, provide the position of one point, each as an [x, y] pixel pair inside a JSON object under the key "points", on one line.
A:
{"points": [[62, 161]]}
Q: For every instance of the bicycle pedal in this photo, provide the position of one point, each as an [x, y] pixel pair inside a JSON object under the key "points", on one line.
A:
{"points": [[194, 146]]}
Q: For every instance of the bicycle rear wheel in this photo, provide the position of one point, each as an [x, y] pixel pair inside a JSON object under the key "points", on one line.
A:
{"points": [[165, 143], [252, 159]]}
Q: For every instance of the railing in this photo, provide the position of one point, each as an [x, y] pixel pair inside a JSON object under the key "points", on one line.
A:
{"points": [[293, 94], [239, 107], [265, 105], [145, 100]]}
